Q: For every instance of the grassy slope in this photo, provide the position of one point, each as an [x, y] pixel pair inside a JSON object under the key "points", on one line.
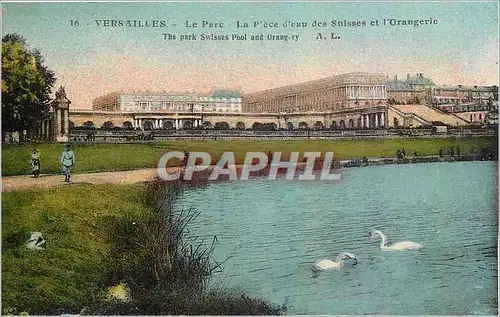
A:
{"points": [[114, 157], [73, 221], [79, 225]]}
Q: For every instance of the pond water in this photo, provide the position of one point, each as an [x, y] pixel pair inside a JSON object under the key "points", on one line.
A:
{"points": [[272, 231]]}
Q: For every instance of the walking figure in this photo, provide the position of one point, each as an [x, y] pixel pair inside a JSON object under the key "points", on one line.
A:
{"points": [[185, 159], [67, 162], [35, 163], [441, 152], [399, 154], [269, 158]]}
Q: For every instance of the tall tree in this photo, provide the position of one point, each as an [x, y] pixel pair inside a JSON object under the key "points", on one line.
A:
{"points": [[26, 85]]}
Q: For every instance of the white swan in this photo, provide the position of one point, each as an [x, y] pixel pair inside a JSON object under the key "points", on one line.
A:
{"points": [[326, 264], [404, 245]]}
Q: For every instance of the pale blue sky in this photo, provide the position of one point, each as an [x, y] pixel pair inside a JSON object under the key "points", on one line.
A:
{"points": [[90, 60]]}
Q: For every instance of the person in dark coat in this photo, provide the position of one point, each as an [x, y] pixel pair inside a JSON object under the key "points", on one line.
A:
{"points": [[35, 163]]}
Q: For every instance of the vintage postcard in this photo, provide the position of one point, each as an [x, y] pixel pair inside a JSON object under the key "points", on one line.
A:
{"points": [[250, 158]]}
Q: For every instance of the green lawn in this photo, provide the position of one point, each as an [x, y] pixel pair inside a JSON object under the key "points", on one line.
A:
{"points": [[97, 235], [70, 272], [115, 157]]}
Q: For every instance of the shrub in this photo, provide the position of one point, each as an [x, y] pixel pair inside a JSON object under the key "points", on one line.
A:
{"points": [[168, 270]]}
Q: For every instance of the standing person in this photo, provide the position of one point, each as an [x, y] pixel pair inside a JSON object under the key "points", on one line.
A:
{"points": [[441, 152], [403, 152], [458, 151], [67, 162], [185, 159], [35, 163]]}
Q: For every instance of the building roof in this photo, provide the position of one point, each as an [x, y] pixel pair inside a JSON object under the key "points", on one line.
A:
{"points": [[355, 78], [398, 86], [414, 83], [226, 94]]}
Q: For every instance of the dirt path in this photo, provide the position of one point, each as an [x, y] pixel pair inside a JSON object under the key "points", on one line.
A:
{"points": [[23, 182]]}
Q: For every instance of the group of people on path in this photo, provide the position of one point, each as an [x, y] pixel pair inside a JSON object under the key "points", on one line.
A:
{"points": [[67, 162], [451, 151], [400, 154]]}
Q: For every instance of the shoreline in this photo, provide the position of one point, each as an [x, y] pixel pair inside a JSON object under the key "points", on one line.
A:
{"points": [[26, 182]]}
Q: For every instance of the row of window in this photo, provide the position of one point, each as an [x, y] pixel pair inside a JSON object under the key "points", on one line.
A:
{"points": [[321, 107], [166, 105]]}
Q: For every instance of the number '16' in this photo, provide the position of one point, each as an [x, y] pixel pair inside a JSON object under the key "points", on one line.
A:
{"points": [[74, 22]]}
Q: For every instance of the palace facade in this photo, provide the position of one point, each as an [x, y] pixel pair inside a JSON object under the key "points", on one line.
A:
{"points": [[339, 93], [348, 101], [225, 101], [456, 96]]}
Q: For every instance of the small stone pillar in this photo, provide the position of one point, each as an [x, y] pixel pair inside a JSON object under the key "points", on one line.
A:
{"points": [[60, 119]]}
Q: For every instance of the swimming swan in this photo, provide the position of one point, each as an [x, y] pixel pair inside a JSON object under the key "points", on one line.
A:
{"points": [[326, 264], [404, 245]]}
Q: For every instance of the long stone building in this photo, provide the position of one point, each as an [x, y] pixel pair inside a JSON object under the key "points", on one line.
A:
{"points": [[342, 92], [347, 101], [226, 101], [351, 100], [455, 96]]}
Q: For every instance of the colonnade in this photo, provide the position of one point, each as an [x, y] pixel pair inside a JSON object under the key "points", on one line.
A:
{"points": [[158, 123], [55, 126], [367, 92], [373, 120], [62, 119], [45, 129]]}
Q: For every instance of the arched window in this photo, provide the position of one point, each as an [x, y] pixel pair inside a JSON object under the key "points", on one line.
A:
{"points": [[88, 124], [240, 126], [222, 126], [318, 125], [342, 124], [127, 125]]}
